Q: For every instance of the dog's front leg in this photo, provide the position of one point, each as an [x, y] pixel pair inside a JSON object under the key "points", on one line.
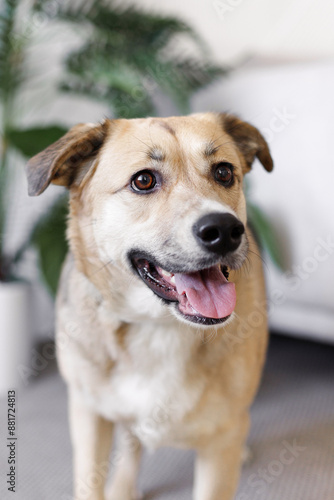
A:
{"points": [[123, 484], [217, 467], [91, 440]]}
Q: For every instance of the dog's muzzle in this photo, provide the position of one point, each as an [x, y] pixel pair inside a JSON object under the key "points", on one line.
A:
{"points": [[201, 295]]}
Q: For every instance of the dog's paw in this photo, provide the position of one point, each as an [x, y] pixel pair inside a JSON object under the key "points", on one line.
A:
{"points": [[122, 493], [120, 496]]}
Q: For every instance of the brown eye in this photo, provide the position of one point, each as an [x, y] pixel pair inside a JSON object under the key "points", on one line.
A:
{"points": [[143, 181], [223, 173]]}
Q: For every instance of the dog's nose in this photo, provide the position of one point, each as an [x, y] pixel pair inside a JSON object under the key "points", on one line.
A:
{"points": [[219, 233]]}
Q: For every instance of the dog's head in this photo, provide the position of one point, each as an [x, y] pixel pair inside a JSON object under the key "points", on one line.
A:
{"points": [[162, 199]]}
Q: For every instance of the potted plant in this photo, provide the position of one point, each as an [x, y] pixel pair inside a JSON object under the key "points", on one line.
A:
{"points": [[15, 307]]}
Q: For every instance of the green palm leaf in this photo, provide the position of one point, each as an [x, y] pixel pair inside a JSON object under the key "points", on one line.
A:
{"points": [[10, 51], [124, 48], [31, 141], [265, 234], [48, 237]]}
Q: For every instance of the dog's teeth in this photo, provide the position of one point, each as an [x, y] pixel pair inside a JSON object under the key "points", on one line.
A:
{"points": [[172, 280], [166, 273]]}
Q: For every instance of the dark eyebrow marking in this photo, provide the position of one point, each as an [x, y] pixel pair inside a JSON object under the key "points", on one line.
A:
{"points": [[210, 149], [167, 127], [156, 154]]}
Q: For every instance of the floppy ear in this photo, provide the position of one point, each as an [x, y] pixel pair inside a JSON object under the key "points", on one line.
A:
{"points": [[68, 159], [249, 140]]}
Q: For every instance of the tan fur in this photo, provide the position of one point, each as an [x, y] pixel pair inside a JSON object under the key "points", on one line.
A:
{"points": [[126, 357]]}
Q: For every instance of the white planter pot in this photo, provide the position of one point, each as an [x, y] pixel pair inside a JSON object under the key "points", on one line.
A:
{"points": [[15, 334]]}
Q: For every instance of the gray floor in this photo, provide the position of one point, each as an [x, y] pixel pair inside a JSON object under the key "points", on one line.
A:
{"points": [[292, 436]]}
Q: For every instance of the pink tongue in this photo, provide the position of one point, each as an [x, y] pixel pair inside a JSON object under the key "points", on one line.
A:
{"points": [[208, 292]]}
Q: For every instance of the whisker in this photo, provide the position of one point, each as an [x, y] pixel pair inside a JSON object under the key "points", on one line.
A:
{"points": [[259, 255], [92, 223], [142, 142], [103, 267]]}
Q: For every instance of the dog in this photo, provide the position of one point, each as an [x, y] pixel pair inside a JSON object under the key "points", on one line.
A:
{"points": [[161, 308]]}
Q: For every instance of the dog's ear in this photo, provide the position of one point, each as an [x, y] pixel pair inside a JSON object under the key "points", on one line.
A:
{"points": [[68, 159], [249, 140]]}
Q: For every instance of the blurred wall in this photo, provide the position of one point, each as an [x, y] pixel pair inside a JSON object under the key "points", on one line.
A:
{"points": [[236, 29]]}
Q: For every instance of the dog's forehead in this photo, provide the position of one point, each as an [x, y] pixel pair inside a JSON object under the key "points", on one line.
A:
{"points": [[187, 142], [194, 133]]}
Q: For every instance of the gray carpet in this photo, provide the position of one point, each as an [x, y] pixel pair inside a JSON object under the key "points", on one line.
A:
{"points": [[292, 436]]}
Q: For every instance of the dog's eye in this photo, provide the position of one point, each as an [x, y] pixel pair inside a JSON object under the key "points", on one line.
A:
{"points": [[143, 181], [223, 173]]}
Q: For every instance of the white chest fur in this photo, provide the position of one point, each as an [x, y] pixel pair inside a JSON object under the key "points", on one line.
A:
{"points": [[156, 385]]}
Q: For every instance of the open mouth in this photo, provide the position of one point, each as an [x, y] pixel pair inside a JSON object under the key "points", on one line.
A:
{"points": [[204, 296]]}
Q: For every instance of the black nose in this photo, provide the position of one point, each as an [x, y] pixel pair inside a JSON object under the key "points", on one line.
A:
{"points": [[219, 233]]}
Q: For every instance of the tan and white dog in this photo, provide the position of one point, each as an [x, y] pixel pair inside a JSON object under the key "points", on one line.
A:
{"points": [[161, 322]]}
